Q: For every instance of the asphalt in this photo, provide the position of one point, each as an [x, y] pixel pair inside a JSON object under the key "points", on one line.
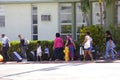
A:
{"points": [[61, 70]]}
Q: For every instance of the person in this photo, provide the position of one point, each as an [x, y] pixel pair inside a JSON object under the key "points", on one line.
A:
{"points": [[88, 46], [46, 53], [71, 45], [23, 47], [58, 47], [39, 51], [5, 47], [110, 45]]}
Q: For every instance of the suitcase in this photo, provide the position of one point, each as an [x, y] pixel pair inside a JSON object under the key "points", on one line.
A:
{"points": [[1, 58], [16, 56], [32, 56], [81, 52]]}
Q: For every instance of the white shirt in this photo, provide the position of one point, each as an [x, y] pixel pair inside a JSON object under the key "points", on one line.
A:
{"points": [[39, 50], [89, 39], [88, 42], [5, 40]]}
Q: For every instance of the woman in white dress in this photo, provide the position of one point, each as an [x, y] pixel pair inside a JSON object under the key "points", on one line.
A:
{"points": [[39, 52]]}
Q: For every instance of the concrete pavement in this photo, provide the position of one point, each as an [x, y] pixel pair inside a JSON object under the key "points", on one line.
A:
{"points": [[74, 70]]}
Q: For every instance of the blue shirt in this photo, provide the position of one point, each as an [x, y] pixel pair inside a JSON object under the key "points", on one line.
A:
{"points": [[46, 50]]}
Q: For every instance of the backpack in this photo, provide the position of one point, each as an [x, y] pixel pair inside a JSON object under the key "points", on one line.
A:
{"points": [[69, 41], [26, 42]]}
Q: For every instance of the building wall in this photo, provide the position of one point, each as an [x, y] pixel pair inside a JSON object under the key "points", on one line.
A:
{"points": [[47, 29], [17, 20]]}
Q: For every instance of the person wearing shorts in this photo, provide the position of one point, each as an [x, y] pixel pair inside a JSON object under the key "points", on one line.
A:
{"points": [[88, 46]]}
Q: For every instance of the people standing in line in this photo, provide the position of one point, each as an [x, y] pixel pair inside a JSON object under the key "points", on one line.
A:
{"points": [[110, 45], [23, 47], [88, 46], [71, 45], [39, 51], [46, 53], [5, 47], [58, 47]]}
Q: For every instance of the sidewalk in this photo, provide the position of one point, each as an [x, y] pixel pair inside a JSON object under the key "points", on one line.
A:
{"points": [[73, 70], [50, 62]]}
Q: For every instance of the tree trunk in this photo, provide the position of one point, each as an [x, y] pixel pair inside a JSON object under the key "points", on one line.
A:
{"points": [[105, 22], [116, 13], [101, 14], [85, 18]]}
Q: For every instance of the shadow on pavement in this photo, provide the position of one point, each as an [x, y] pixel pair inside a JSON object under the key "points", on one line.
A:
{"points": [[43, 69]]}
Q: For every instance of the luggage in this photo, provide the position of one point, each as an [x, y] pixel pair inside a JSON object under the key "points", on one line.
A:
{"points": [[1, 58], [32, 56], [16, 57], [81, 52]]}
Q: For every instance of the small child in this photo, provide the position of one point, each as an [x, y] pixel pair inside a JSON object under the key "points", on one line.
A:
{"points": [[46, 54], [39, 51]]}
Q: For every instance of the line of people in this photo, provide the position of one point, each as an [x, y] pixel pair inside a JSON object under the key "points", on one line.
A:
{"points": [[87, 43], [59, 46], [24, 43]]}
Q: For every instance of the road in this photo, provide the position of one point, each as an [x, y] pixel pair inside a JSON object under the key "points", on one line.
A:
{"points": [[60, 71]]}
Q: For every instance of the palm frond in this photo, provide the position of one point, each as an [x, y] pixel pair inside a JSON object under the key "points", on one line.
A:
{"points": [[85, 5]]}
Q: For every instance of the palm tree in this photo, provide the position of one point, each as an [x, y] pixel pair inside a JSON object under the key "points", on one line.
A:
{"points": [[85, 6], [105, 4]]}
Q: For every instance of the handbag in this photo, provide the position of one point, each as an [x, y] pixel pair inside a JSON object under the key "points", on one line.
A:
{"points": [[87, 45]]}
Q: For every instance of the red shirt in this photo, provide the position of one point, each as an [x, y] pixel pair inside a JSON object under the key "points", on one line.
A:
{"points": [[69, 38], [58, 42]]}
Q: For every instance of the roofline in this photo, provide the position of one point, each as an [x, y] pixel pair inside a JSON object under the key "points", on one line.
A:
{"points": [[35, 1]]}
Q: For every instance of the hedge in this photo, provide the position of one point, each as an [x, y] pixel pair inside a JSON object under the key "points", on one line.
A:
{"points": [[33, 45]]}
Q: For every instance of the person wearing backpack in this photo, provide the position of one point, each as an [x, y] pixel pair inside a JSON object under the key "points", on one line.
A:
{"points": [[71, 45], [23, 47]]}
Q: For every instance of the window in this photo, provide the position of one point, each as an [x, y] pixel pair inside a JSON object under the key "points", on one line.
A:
{"points": [[2, 21], [34, 22], [66, 8], [35, 37], [35, 29], [45, 17], [65, 18], [34, 9], [2, 16], [66, 28], [96, 14]]}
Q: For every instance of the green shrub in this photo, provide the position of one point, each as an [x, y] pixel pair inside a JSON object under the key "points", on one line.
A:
{"points": [[97, 34], [32, 46], [115, 31]]}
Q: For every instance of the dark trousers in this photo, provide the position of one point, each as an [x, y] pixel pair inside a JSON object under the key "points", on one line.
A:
{"points": [[23, 49], [46, 57], [4, 54], [58, 53]]}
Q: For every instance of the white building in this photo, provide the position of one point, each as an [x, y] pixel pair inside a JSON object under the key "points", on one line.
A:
{"points": [[41, 19]]}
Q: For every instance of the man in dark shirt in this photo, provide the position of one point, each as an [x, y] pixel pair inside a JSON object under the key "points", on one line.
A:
{"points": [[23, 47]]}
